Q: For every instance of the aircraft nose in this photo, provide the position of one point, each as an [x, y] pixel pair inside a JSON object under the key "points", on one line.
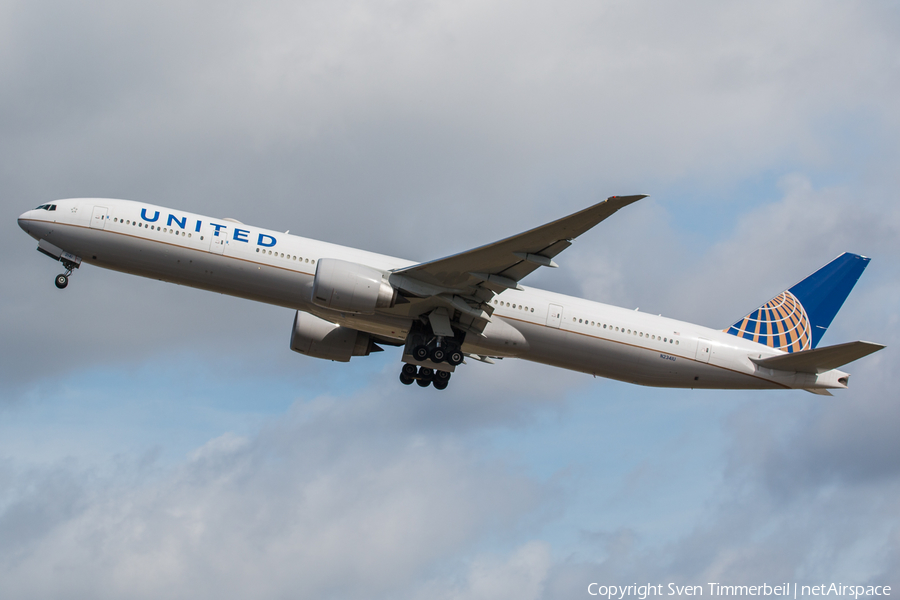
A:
{"points": [[22, 220]]}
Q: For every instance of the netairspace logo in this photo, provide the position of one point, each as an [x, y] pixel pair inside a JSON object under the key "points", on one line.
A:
{"points": [[781, 590]]}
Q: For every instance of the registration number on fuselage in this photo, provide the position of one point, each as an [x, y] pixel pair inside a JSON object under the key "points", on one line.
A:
{"points": [[667, 357]]}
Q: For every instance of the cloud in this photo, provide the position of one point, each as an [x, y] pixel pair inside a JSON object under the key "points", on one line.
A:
{"points": [[331, 500], [766, 134]]}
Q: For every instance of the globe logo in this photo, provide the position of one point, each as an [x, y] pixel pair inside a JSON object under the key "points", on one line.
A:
{"points": [[781, 323]]}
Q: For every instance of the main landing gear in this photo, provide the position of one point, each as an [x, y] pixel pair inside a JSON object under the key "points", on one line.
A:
{"points": [[438, 354], [430, 357], [424, 376]]}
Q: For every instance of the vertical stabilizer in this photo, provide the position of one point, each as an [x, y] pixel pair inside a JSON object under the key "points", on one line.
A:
{"points": [[797, 318]]}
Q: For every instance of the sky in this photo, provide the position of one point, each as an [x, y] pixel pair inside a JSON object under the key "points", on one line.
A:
{"points": [[160, 441]]}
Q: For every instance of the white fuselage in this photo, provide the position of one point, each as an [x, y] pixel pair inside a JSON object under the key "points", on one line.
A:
{"points": [[276, 268]]}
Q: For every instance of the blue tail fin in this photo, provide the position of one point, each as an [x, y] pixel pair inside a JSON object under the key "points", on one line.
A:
{"points": [[797, 318]]}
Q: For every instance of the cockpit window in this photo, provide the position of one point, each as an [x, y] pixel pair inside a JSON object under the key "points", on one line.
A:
{"points": [[46, 207]]}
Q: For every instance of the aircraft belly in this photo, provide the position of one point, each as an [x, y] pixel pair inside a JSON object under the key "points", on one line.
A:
{"points": [[193, 267], [630, 363], [569, 350]]}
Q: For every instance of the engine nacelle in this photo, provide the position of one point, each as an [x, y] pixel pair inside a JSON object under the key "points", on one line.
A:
{"points": [[322, 339], [351, 287]]}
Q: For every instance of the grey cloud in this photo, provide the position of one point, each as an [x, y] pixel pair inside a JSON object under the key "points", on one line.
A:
{"points": [[326, 502], [419, 130]]}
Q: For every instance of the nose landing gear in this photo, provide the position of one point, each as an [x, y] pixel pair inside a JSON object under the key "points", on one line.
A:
{"points": [[62, 280]]}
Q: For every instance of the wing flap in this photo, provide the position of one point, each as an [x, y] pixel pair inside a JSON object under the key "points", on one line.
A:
{"points": [[819, 360]]}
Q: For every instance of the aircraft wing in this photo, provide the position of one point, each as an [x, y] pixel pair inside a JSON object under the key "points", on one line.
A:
{"points": [[480, 273]]}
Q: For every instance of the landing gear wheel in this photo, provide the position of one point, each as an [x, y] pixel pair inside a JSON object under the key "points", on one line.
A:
{"points": [[62, 281], [420, 352], [438, 354], [423, 382], [410, 371], [442, 377], [455, 358], [406, 379], [440, 385], [425, 374]]}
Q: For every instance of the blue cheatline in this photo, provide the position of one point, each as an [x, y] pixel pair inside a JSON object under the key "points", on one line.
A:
{"points": [[796, 319]]}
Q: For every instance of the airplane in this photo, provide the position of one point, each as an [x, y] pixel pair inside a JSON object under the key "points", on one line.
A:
{"points": [[351, 302]]}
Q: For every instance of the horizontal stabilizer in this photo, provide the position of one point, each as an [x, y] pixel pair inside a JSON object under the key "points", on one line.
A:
{"points": [[819, 360], [819, 391]]}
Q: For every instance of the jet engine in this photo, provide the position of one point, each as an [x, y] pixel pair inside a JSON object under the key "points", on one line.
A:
{"points": [[351, 287], [322, 339]]}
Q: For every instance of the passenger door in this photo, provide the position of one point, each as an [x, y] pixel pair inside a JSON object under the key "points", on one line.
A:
{"points": [[703, 350], [217, 242], [554, 316], [98, 218]]}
